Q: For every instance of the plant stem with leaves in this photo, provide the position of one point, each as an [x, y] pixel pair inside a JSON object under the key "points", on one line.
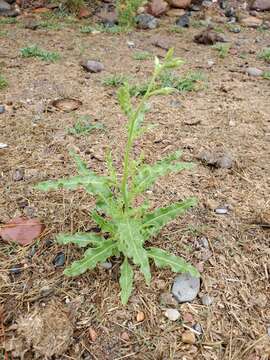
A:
{"points": [[124, 228]]}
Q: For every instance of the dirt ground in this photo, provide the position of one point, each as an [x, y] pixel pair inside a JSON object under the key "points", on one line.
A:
{"points": [[82, 317]]}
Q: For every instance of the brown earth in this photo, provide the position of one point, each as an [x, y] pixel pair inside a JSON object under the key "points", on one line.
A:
{"points": [[230, 114]]}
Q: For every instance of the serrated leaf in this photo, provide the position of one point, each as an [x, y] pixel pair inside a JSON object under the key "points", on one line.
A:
{"points": [[148, 174], [163, 259], [124, 99], [153, 222], [81, 165], [81, 239], [91, 257], [131, 244], [163, 91], [126, 281]]}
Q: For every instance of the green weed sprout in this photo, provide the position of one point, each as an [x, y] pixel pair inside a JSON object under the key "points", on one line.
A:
{"points": [[223, 49], [124, 228], [3, 82], [265, 55], [35, 51]]}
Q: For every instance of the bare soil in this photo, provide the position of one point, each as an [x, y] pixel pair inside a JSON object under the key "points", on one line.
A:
{"points": [[229, 114]]}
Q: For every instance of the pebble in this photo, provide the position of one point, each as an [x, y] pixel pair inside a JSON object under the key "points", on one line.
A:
{"points": [[206, 300], [172, 314], [2, 109], [59, 259], [268, 331], [131, 44], [222, 210], [252, 71], [140, 316], [175, 103], [235, 29], [45, 291], [92, 334], [18, 175], [224, 162], [167, 299], [106, 265], [92, 66], [4, 6], [3, 146], [185, 287], [188, 337], [146, 21], [183, 21], [198, 328], [16, 269]]}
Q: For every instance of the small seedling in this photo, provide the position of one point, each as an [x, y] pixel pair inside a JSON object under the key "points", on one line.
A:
{"points": [[115, 80], [3, 82], [3, 33], [83, 126], [265, 55], [99, 28], [8, 20], [177, 29], [35, 51], [192, 81], [223, 49], [50, 25], [126, 11], [142, 55], [124, 228]]}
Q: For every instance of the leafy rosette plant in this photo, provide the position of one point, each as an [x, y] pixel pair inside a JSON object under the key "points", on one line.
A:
{"points": [[124, 228]]}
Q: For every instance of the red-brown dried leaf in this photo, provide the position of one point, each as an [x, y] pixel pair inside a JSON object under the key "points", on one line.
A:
{"points": [[21, 230]]}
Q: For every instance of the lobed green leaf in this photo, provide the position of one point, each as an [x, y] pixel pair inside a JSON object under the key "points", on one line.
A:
{"points": [[155, 221], [164, 259], [148, 174], [81, 239], [91, 257], [131, 244], [126, 281]]}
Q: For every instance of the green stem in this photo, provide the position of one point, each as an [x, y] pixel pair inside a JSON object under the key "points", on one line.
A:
{"points": [[130, 140]]}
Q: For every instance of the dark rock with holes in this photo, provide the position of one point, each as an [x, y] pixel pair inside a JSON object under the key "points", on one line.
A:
{"points": [[146, 21], [209, 37]]}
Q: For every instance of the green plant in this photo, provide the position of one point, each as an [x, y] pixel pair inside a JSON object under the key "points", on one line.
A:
{"points": [[83, 126], [88, 29], [126, 11], [124, 228], [265, 55], [71, 5], [266, 75], [192, 81], [3, 33], [35, 51], [115, 80], [223, 49], [8, 20], [142, 55], [176, 29], [50, 25], [3, 82]]}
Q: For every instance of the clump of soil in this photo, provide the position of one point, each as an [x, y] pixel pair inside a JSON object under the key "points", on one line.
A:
{"points": [[48, 331]]}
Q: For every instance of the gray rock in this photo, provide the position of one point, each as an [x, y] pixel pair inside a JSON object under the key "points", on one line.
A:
{"points": [[146, 21], [183, 21], [2, 109], [198, 328], [185, 287], [4, 6], [252, 71], [59, 260], [224, 162], [106, 265], [206, 300], [235, 29], [18, 175], [92, 66], [167, 299], [172, 314]]}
